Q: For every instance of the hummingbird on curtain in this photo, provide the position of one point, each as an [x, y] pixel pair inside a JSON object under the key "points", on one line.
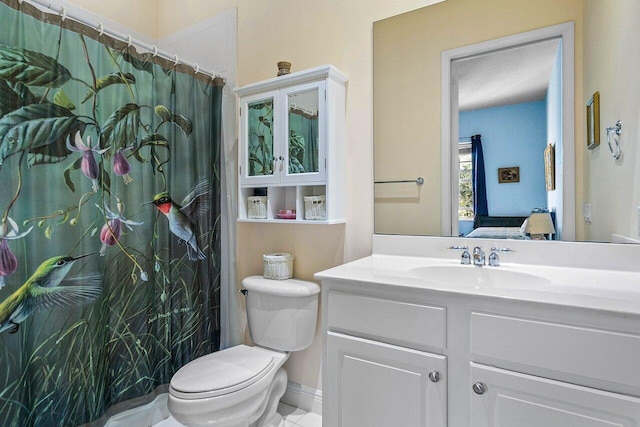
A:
{"points": [[183, 218], [43, 290]]}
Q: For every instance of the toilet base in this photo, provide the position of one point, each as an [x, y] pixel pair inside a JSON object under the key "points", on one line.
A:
{"points": [[247, 413], [270, 418]]}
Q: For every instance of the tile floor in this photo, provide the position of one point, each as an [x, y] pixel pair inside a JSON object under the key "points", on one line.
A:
{"points": [[293, 417]]}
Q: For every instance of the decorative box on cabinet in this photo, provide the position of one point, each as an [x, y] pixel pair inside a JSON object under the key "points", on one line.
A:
{"points": [[292, 144]]}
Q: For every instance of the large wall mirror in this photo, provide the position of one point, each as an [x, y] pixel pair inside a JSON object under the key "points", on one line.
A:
{"points": [[458, 81]]}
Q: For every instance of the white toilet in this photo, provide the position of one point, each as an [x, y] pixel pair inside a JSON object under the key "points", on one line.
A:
{"points": [[242, 385]]}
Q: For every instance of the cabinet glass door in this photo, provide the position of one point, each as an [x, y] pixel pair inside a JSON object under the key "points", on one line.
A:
{"points": [[305, 134], [260, 129]]}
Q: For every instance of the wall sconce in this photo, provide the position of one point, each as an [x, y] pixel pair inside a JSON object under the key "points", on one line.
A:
{"points": [[539, 224]]}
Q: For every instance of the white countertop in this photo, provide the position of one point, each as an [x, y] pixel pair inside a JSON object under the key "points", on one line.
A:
{"points": [[598, 288]]}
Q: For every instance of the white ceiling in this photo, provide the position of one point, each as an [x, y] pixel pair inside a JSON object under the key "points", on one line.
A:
{"points": [[505, 77]]}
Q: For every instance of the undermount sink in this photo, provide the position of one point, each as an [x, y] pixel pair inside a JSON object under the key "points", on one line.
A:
{"points": [[470, 275]]}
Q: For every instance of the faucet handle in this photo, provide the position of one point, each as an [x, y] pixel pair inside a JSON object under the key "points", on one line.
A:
{"points": [[465, 257], [495, 249], [494, 259]]}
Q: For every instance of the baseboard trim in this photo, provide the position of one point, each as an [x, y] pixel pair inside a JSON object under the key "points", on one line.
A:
{"points": [[303, 397]]}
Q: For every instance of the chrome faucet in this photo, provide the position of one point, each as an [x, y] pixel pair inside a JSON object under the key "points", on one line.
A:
{"points": [[494, 259], [465, 258], [478, 256]]}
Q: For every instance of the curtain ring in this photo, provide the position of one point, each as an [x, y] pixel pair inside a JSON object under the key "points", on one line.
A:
{"points": [[196, 68], [129, 41], [155, 50], [176, 61], [64, 13], [100, 29]]}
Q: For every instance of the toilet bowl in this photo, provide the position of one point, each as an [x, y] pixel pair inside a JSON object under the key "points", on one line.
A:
{"points": [[242, 385]]}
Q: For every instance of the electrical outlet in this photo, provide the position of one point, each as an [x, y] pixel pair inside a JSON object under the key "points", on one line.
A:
{"points": [[586, 212]]}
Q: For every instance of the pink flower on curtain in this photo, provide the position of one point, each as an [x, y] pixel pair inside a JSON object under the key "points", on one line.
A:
{"points": [[121, 166], [112, 229], [8, 261], [89, 165]]}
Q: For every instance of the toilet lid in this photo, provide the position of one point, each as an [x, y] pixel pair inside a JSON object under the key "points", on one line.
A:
{"points": [[222, 372]]}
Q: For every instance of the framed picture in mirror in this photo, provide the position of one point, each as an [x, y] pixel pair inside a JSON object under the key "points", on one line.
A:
{"points": [[593, 121], [550, 167], [510, 174]]}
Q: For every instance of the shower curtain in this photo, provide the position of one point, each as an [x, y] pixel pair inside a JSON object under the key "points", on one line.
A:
{"points": [[109, 220]]}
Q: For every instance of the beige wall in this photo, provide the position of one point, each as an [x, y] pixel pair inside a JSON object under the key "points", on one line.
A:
{"points": [[139, 15], [408, 49], [612, 63]]}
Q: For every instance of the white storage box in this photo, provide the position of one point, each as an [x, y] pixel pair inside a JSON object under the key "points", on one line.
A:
{"points": [[278, 266], [315, 207], [257, 207]]}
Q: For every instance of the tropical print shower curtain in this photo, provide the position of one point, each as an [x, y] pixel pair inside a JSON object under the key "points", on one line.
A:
{"points": [[109, 211]]}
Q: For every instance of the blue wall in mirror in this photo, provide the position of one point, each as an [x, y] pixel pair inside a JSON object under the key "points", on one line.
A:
{"points": [[512, 135]]}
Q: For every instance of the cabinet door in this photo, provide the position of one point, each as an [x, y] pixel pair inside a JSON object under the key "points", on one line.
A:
{"points": [[501, 398], [259, 136], [372, 384], [305, 127]]}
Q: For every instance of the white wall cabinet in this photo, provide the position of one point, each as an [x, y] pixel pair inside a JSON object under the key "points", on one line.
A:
{"points": [[502, 362], [292, 145]]}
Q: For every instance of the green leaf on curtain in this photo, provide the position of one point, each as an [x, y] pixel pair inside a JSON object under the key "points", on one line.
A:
{"points": [[111, 79], [163, 112], [9, 99], [139, 64], [31, 68], [67, 174], [153, 140], [179, 120], [61, 99], [40, 128], [122, 127], [184, 124]]}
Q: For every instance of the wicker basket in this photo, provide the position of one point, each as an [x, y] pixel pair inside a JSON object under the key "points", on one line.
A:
{"points": [[315, 207], [278, 266], [257, 207]]}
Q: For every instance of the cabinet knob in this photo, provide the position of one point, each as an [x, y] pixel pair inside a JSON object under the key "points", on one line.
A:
{"points": [[281, 158], [479, 388], [434, 376]]}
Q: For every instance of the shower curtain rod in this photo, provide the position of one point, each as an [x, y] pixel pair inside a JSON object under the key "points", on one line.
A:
{"points": [[62, 11]]}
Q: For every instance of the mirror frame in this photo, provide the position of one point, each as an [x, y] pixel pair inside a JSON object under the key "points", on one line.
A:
{"points": [[449, 121]]}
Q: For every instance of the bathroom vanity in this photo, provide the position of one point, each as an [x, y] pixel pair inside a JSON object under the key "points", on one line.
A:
{"points": [[551, 337]]}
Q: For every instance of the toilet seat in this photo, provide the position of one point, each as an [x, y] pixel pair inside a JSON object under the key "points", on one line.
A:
{"points": [[222, 372]]}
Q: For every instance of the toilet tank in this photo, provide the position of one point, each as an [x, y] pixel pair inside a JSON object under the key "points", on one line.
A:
{"points": [[282, 314]]}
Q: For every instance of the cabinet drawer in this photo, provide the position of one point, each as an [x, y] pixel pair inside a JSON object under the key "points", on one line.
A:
{"points": [[411, 325], [588, 352]]}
